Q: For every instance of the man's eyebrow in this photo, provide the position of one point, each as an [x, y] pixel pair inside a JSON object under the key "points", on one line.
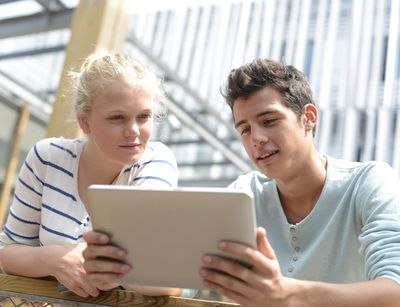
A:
{"points": [[240, 123], [258, 115]]}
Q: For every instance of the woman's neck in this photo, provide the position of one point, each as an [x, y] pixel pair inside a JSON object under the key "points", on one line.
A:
{"points": [[94, 170]]}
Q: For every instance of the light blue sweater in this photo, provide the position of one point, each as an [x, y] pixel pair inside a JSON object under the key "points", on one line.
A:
{"points": [[353, 232]]}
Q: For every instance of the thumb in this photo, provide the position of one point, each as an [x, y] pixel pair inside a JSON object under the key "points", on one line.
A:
{"points": [[263, 244]]}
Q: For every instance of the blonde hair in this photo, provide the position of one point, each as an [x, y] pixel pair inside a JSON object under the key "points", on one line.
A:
{"points": [[97, 70]]}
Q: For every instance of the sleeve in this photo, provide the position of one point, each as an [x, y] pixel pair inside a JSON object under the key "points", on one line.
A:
{"points": [[23, 222], [378, 197], [158, 170]]}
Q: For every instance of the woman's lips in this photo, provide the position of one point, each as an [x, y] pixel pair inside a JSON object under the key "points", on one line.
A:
{"points": [[129, 146]]}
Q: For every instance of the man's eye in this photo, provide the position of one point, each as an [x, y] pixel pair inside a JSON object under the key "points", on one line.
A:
{"points": [[269, 122], [244, 131]]}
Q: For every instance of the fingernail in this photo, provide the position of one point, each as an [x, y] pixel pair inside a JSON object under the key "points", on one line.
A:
{"points": [[125, 268], [222, 245], [103, 239], [207, 259], [121, 253]]}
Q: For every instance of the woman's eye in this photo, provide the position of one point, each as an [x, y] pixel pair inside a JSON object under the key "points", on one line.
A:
{"points": [[144, 116], [116, 117]]}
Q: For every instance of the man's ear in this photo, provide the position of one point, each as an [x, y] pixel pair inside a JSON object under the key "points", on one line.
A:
{"points": [[310, 114], [309, 118], [83, 123]]}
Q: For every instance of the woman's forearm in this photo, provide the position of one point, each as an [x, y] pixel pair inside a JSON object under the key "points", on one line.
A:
{"points": [[30, 261]]}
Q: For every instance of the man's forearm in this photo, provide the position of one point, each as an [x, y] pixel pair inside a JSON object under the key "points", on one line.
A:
{"points": [[375, 293]]}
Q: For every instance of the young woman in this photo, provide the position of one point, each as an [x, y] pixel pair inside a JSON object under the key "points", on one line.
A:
{"points": [[117, 100]]}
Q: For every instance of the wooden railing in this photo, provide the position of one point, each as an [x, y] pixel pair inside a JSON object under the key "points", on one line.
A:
{"points": [[39, 290]]}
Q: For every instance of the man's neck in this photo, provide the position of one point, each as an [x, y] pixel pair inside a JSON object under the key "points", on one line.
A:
{"points": [[300, 194]]}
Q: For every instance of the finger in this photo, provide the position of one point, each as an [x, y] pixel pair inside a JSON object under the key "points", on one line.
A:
{"points": [[94, 237], [89, 288], [106, 251], [78, 291], [228, 283], [229, 267], [101, 280], [248, 254], [238, 298], [259, 263], [263, 244], [106, 266], [253, 278]]}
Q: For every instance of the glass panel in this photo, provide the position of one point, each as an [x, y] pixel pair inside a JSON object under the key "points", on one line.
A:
{"points": [[8, 118]]}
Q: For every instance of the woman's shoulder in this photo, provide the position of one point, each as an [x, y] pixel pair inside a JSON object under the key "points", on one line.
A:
{"points": [[158, 151], [58, 142], [47, 147], [158, 147]]}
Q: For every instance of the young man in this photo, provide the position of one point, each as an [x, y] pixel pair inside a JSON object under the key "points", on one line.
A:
{"points": [[333, 227]]}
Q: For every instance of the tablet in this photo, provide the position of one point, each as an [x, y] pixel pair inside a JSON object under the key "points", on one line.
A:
{"points": [[166, 232]]}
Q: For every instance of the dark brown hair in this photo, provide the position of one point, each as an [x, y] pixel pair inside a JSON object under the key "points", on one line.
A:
{"points": [[260, 73]]}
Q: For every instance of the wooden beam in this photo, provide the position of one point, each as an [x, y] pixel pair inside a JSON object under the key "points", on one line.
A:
{"points": [[46, 291], [13, 161], [97, 25]]}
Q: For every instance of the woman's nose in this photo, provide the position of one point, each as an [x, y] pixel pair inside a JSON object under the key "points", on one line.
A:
{"points": [[132, 129]]}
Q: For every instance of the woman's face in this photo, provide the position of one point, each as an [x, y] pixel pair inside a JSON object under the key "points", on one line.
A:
{"points": [[120, 122]]}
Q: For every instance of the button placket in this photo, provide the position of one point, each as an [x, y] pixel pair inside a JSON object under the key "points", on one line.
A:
{"points": [[294, 238]]}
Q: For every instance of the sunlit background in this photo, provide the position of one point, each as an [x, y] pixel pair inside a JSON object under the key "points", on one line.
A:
{"points": [[348, 49]]}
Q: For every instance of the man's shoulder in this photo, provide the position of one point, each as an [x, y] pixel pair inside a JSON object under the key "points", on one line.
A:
{"points": [[359, 168], [252, 178]]}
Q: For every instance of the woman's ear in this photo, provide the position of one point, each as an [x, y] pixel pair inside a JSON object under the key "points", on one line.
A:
{"points": [[83, 123]]}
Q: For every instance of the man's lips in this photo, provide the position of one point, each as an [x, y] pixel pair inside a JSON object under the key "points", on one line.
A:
{"points": [[267, 155]]}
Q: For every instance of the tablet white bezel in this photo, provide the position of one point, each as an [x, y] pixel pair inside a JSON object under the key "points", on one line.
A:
{"points": [[166, 232]]}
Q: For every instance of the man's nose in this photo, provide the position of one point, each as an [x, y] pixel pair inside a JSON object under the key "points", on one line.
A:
{"points": [[258, 137]]}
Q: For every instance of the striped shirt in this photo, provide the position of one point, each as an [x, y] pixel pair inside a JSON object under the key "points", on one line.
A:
{"points": [[46, 208]]}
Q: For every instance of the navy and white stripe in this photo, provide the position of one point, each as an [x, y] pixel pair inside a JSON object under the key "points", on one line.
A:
{"points": [[46, 208]]}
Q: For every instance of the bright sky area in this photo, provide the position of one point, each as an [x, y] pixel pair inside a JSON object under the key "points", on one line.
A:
{"points": [[29, 7]]}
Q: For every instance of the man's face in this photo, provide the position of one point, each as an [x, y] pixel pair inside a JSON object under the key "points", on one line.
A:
{"points": [[273, 136]]}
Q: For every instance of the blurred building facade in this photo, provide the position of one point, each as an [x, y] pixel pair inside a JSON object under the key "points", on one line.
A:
{"points": [[349, 50]]}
